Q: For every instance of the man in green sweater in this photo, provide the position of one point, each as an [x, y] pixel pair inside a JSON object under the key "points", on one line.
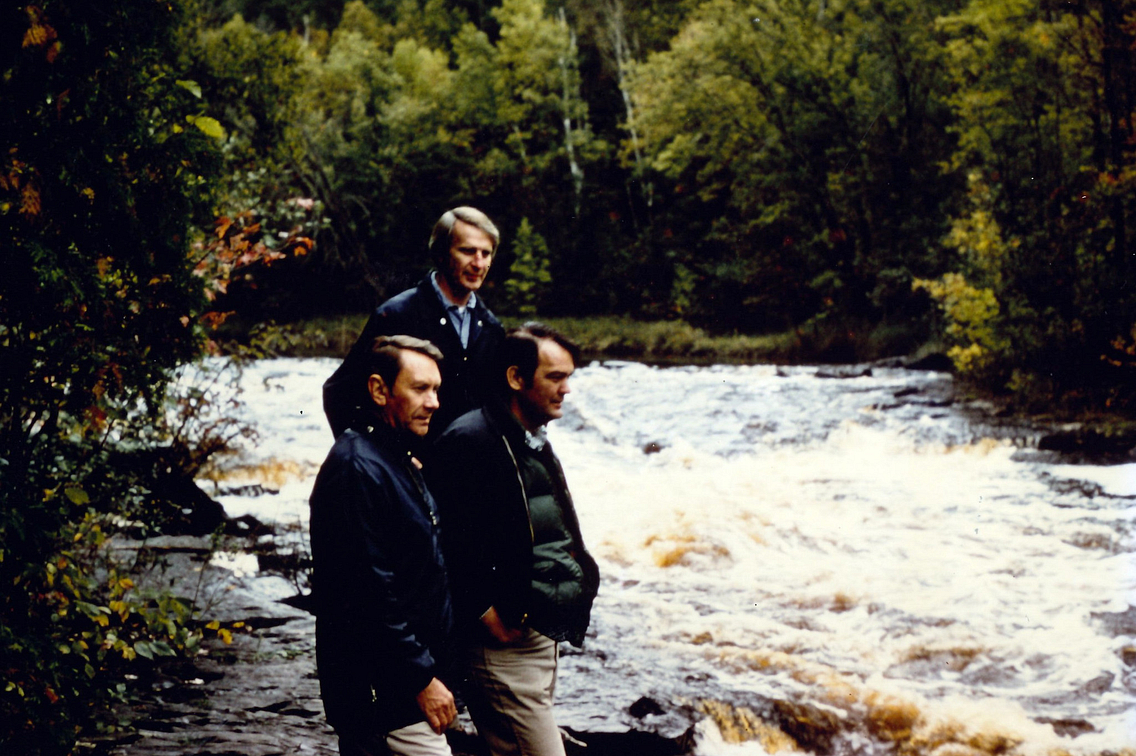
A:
{"points": [[522, 579]]}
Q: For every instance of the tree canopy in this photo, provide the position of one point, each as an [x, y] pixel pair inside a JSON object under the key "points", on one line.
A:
{"points": [[872, 166]]}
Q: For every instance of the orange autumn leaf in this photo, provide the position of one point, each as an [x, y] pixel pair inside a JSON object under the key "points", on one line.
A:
{"points": [[38, 33], [35, 35], [29, 201], [213, 319], [301, 245]]}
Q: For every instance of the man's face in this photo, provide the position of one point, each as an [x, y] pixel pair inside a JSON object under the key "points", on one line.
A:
{"points": [[412, 400], [541, 399], [471, 252]]}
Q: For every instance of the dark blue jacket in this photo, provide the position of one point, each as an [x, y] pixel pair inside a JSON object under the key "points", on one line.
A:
{"points": [[419, 313], [479, 478], [383, 613]]}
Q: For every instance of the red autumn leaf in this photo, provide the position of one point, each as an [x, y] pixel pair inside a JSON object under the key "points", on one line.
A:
{"points": [[213, 318]]}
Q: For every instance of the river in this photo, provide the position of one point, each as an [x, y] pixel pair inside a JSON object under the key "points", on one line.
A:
{"points": [[801, 563]]}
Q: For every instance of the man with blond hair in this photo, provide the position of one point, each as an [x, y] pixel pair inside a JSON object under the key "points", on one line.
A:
{"points": [[444, 309]]}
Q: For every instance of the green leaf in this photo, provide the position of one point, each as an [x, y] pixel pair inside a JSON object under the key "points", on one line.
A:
{"points": [[77, 495], [144, 649], [191, 86], [209, 126], [161, 648]]}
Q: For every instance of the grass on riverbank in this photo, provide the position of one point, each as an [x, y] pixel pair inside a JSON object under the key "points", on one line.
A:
{"points": [[620, 337]]}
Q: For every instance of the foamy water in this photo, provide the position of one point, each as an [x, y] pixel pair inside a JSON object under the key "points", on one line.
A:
{"points": [[851, 546]]}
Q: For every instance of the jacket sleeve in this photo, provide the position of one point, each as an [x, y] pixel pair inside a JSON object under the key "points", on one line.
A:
{"points": [[344, 393], [473, 483], [362, 554], [467, 560]]}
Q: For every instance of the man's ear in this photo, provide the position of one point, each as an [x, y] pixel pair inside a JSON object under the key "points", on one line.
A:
{"points": [[514, 378], [377, 388]]}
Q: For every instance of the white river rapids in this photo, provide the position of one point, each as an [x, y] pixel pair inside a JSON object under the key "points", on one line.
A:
{"points": [[805, 564]]}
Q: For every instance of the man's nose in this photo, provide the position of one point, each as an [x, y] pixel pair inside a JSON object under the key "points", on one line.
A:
{"points": [[481, 259], [432, 400]]}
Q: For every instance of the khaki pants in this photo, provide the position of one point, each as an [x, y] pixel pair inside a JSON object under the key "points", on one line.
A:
{"points": [[413, 740], [510, 699]]}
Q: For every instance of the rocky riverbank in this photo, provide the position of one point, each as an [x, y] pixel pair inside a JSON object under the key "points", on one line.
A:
{"points": [[253, 690], [254, 695]]}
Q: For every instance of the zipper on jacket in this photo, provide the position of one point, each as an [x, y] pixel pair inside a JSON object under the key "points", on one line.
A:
{"points": [[416, 476], [521, 483]]}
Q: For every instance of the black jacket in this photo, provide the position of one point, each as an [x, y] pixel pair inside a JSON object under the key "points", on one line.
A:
{"points": [[488, 537], [383, 611], [419, 313]]}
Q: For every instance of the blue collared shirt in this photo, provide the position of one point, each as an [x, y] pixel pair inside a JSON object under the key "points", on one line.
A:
{"points": [[460, 316]]}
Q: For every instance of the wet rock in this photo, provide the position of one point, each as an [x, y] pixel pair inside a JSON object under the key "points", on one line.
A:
{"points": [[645, 707], [191, 510], [1097, 685], [254, 489], [1088, 441], [1068, 728], [286, 707], [812, 728], [166, 544], [630, 743], [301, 601], [1085, 488], [844, 371], [283, 563], [246, 525], [1117, 623], [936, 362], [255, 696]]}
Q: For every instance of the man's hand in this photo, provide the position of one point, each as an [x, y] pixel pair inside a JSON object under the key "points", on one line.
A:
{"points": [[437, 703], [497, 628]]}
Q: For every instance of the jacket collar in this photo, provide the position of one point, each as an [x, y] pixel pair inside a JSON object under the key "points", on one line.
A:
{"points": [[471, 304], [434, 310], [399, 443], [510, 427]]}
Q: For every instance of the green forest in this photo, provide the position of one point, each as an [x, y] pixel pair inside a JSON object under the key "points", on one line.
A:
{"points": [[871, 177]]}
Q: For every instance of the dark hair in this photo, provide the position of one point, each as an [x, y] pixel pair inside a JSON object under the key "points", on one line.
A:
{"points": [[385, 357], [521, 348], [443, 233]]}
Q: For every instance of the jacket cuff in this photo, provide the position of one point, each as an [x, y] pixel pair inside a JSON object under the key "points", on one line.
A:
{"points": [[418, 679]]}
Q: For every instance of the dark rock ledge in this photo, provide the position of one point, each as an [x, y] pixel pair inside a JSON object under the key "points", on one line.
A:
{"points": [[259, 695]]}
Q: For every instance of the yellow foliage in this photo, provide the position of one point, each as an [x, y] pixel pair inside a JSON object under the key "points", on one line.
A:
{"points": [[972, 316], [978, 236]]}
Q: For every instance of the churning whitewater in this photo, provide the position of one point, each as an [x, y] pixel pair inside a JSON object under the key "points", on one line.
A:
{"points": [[797, 562]]}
